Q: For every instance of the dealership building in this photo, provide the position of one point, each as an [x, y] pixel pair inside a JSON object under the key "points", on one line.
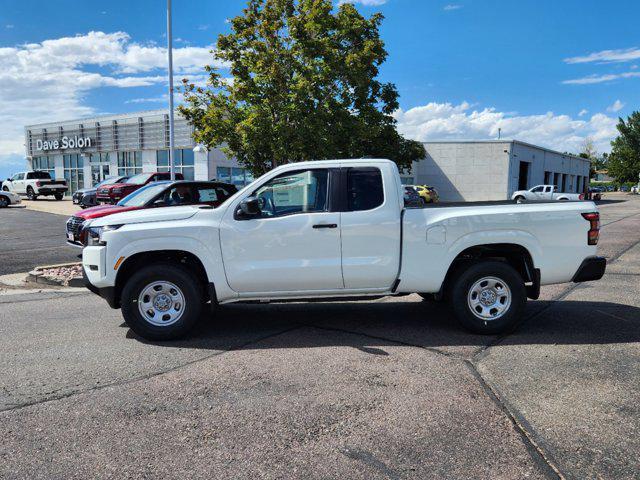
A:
{"points": [[86, 151]]}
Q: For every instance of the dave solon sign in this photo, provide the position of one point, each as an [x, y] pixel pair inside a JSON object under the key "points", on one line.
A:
{"points": [[64, 143]]}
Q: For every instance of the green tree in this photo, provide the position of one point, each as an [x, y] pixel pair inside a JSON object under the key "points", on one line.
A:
{"points": [[304, 87], [624, 160]]}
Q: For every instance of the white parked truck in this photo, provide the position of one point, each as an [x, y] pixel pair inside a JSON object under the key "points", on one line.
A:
{"points": [[544, 192], [336, 230], [35, 183]]}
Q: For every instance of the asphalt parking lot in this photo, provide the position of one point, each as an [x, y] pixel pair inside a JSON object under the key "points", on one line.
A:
{"points": [[382, 389], [30, 238]]}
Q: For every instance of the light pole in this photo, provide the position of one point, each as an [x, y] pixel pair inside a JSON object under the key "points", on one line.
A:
{"points": [[172, 167]]}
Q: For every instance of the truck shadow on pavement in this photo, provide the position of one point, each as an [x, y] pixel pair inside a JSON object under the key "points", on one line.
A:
{"points": [[412, 323]]}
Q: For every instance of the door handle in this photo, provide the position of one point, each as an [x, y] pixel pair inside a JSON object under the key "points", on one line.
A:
{"points": [[325, 225]]}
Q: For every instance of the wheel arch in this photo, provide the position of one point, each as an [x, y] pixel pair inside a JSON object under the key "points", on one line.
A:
{"points": [[180, 257], [516, 255]]}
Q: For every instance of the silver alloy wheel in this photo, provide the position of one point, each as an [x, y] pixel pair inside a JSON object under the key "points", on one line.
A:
{"points": [[489, 298], [161, 303]]}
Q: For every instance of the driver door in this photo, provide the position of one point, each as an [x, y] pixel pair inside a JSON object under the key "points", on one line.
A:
{"points": [[292, 245], [18, 183], [538, 193]]}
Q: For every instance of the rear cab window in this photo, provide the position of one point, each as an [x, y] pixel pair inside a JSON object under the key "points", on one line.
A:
{"points": [[364, 189]]}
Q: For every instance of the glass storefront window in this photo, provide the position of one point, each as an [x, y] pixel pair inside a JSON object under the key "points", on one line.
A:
{"points": [[73, 172], [129, 163], [236, 175], [162, 157], [223, 174], [187, 157], [183, 159], [45, 164]]}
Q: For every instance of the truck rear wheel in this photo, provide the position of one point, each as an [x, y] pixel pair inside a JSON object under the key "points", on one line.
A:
{"points": [[31, 195], [488, 297], [59, 196], [161, 302]]}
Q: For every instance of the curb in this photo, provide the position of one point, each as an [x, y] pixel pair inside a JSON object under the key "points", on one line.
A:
{"points": [[36, 276]]}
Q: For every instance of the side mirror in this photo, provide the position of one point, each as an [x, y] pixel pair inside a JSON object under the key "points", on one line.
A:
{"points": [[250, 207]]}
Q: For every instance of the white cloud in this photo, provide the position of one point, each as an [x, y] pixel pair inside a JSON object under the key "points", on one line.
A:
{"points": [[591, 79], [48, 81], [583, 112], [9, 26], [616, 107], [448, 8], [607, 56], [446, 121]]}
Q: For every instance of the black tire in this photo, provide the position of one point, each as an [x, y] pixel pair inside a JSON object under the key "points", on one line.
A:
{"points": [[31, 195], [58, 196], [167, 272], [6, 189], [519, 199], [460, 297], [4, 201], [423, 202]]}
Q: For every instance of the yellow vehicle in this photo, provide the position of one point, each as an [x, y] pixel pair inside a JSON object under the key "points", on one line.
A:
{"points": [[428, 194]]}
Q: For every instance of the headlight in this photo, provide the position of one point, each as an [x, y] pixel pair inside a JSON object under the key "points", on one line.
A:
{"points": [[95, 234]]}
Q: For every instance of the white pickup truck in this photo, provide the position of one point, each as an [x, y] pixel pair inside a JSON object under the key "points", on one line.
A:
{"points": [[544, 192], [336, 230], [35, 183]]}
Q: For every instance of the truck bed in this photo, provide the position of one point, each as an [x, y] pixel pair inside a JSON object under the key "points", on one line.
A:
{"points": [[488, 203]]}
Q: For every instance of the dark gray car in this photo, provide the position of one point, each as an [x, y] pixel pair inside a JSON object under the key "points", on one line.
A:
{"points": [[87, 196]]}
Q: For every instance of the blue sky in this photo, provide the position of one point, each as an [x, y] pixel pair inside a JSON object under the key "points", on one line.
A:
{"points": [[548, 72]]}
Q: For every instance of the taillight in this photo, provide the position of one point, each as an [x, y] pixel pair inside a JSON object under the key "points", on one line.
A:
{"points": [[581, 196], [593, 234], [38, 184]]}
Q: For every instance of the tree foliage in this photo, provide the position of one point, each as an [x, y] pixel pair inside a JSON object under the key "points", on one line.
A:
{"points": [[304, 87], [624, 160]]}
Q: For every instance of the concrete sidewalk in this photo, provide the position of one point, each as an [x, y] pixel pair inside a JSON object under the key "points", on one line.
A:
{"points": [[50, 205]]}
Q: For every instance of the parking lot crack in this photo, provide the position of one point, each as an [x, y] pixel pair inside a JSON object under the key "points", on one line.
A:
{"points": [[531, 440]]}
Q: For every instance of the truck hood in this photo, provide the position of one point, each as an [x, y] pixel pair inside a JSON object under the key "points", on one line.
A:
{"points": [[114, 185], [147, 215]]}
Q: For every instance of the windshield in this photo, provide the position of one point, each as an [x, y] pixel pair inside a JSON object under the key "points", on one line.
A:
{"points": [[140, 179], [140, 197]]}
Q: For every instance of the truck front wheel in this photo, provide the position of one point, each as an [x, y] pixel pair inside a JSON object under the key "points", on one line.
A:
{"points": [[161, 302], [488, 297]]}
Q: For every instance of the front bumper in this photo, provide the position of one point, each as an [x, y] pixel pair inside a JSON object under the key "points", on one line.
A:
{"points": [[108, 293], [591, 268]]}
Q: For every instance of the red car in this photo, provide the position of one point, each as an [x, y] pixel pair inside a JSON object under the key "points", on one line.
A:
{"points": [[114, 192], [160, 194]]}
